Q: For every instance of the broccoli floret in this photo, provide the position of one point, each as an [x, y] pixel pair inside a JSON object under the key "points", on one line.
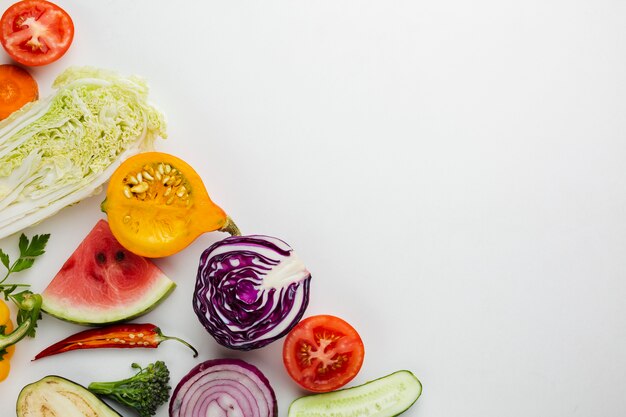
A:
{"points": [[144, 392]]}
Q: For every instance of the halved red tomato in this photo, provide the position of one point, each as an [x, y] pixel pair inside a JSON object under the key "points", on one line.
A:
{"points": [[36, 32], [323, 353]]}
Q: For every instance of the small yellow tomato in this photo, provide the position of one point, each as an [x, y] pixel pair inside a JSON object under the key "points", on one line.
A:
{"points": [[5, 367], [5, 314], [5, 320]]}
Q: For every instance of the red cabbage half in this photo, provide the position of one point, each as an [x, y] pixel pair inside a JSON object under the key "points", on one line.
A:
{"points": [[250, 291], [224, 387]]}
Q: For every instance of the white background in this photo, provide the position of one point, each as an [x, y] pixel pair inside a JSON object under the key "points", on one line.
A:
{"points": [[452, 173]]}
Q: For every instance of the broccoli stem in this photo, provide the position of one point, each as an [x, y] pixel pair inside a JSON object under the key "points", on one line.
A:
{"points": [[144, 392]]}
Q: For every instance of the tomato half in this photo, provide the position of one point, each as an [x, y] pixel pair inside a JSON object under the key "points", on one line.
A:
{"points": [[323, 353], [36, 32]]}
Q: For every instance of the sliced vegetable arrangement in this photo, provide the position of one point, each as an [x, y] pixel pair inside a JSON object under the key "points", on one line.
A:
{"points": [[157, 205], [224, 387], [120, 336], [60, 150], [102, 282], [250, 291]]}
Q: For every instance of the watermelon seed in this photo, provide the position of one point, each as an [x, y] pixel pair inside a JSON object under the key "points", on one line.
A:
{"points": [[119, 256], [101, 258]]}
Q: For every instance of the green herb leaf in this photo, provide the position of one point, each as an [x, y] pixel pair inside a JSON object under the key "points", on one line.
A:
{"points": [[22, 264], [23, 245], [29, 304], [4, 258], [35, 248]]}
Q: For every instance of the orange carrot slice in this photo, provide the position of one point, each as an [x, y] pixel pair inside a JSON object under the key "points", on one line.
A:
{"points": [[17, 87]]}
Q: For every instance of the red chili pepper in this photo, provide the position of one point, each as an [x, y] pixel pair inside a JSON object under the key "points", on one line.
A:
{"points": [[130, 335]]}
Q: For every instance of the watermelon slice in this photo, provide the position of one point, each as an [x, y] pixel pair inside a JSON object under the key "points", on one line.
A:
{"points": [[104, 283]]}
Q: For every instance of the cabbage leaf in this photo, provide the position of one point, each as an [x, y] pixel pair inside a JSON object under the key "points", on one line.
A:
{"points": [[59, 150]]}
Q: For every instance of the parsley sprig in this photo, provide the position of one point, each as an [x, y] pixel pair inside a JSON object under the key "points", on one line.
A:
{"points": [[29, 250], [28, 304]]}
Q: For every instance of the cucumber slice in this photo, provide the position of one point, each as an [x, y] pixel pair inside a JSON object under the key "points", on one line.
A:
{"points": [[384, 397]]}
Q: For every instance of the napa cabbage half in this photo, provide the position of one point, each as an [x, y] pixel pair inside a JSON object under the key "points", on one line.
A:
{"points": [[60, 150]]}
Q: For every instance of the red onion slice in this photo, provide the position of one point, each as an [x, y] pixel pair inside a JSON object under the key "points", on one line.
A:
{"points": [[224, 388]]}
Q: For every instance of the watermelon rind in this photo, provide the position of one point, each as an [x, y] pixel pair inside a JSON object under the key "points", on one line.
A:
{"points": [[87, 317], [102, 283]]}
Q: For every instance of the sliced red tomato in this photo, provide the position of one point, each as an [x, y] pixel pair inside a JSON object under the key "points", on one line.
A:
{"points": [[323, 353], [36, 32]]}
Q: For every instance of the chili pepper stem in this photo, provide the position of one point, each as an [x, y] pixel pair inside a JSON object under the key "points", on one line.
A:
{"points": [[230, 227], [164, 337]]}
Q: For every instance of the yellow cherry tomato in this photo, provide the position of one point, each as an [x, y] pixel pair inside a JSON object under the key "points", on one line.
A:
{"points": [[5, 320], [5, 367], [5, 314]]}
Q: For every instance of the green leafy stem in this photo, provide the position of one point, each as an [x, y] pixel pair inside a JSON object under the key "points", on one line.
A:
{"points": [[28, 304], [29, 250]]}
